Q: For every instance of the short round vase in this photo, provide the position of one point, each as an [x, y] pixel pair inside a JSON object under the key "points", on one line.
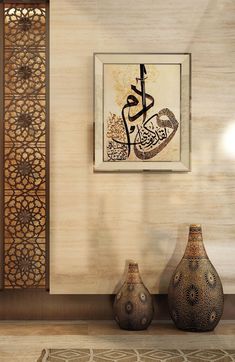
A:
{"points": [[133, 305], [195, 294]]}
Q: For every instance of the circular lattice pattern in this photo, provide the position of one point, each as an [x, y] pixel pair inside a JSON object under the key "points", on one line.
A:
{"points": [[25, 265], [25, 72], [212, 316], [25, 120], [143, 297], [193, 264], [192, 294], [174, 314], [177, 278], [26, 26], [119, 295], [25, 168], [131, 287], [24, 216], [129, 307], [210, 279], [144, 320]]}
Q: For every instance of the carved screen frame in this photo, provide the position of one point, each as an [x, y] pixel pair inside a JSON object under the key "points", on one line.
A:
{"points": [[25, 258], [184, 62]]}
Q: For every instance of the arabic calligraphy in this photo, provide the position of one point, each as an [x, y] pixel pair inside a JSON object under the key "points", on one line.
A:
{"points": [[134, 131]]}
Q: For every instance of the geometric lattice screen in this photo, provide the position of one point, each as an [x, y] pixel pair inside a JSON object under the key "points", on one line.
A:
{"points": [[25, 140]]}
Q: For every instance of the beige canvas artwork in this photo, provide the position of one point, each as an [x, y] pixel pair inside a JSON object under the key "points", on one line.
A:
{"points": [[141, 112]]}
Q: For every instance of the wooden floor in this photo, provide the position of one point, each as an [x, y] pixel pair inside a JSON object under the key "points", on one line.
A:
{"points": [[23, 341]]}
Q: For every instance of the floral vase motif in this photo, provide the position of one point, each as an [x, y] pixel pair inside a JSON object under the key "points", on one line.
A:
{"points": [[195, 294], [133, 304]]}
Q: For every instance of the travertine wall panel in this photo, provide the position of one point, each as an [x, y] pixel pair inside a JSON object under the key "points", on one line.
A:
{"points": [[100, 220]]}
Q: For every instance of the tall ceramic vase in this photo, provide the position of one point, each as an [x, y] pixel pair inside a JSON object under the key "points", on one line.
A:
{"points": [[133, 305], [195, 294]]}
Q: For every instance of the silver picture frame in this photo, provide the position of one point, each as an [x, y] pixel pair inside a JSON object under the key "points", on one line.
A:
{"points": [[142, 112]]}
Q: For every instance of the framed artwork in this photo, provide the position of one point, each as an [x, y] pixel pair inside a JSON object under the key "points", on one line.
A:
{"points": [[142, 112]]}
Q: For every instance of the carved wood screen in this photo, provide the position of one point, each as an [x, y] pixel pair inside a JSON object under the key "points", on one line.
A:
{"points": [[25, 144]]}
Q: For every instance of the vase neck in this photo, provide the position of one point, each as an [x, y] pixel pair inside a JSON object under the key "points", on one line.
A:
{"points": [[133, 275], [195, 247]]}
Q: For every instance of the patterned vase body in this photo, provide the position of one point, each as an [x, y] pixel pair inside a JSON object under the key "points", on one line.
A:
{"points": [[195, 294], [133, 305]]}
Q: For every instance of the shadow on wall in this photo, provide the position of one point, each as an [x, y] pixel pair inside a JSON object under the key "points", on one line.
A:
{"points": [[168, 270], [100, 241]]}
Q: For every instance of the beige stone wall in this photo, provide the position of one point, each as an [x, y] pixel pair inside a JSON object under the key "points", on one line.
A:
{"points": [[100, 220]]}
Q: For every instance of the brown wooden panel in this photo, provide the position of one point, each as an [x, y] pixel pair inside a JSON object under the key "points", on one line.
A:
{"points": [[40, 305], [25, 142], [1, 148]]}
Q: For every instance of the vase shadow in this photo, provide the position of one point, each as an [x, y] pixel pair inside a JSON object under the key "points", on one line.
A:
{"points": [[174, 259]]}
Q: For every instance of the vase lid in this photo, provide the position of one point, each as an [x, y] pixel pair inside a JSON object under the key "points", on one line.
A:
{"points": [[195, 227], [133, 266]]}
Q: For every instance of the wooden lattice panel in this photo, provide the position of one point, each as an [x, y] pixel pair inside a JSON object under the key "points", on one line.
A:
{"points": [[25, 145]]}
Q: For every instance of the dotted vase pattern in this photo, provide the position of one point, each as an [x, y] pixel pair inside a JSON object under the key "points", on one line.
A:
{"points": [[195, 294], [133, 305]]}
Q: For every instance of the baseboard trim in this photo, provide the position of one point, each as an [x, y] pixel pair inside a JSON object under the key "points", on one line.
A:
{"points": [[40, 305]]}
